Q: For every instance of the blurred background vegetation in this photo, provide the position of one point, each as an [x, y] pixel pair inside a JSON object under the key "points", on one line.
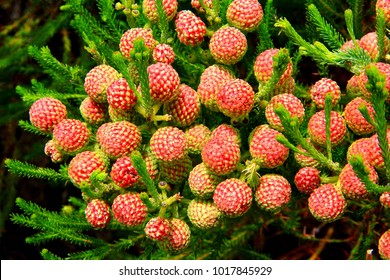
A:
{"points": [[41, 23]]}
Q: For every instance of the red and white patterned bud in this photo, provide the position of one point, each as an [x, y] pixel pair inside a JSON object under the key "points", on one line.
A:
{"points": [[235, 99], [384, 68], [353, 87], [197, 137], [327, 203], [129, 210], [384, 245], [211, 80], [288, 86], [228, 45], [179, 236], [227, 132], [246, 15], [52, 151], [273, 192], [46, 113], [92, 112], [118, 115], [355, 119], [263, 67], [292, 103], [233, 197], [118, 139], [123, 173], [164, 82], [361, 147], [190, 28], [149, 8], [203, 214], [265, 149], [369, 42], [384, 199], [197, 6], [120, 95], [97, 213], [158, 229], [221, 157], [168, 143], [175, 171], [97, 81], [374, 152], [126, 44], [71, 136], [351, 186], [83, 165], [317, 128], [185, 109], [163, 53], [385, 6], [202, 182], [307, 179], [321, 89]]}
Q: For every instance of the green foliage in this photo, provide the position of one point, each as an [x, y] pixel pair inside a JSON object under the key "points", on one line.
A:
{"points": [[331, 36], [66, 75], [31, 171]]}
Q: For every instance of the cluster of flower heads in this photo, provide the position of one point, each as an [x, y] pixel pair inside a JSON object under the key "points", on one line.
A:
{"points": [[183, 150]]}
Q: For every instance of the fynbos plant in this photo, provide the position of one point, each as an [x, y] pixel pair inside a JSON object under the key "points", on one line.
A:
{"points": [[193, 137]]}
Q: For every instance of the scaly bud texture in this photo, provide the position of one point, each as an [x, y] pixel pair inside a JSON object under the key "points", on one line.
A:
{"points": [[290, 102], [164, 82], [120, 95], [179, 236], [190, 28], [351, 185], [158, 229], [163, 53], [46, 113], [273, 192], [168, 143], [324, 87], [246, 15], [185, 109], [221, 157], [126, 44], [129, 210], [123, 173], [118, 139], [355, 119], [384, 245], [70, 136], [150, 10], [264, 147], [235, 99], [197, 137], [307, 179], [228, 45], [326, 203], [83, 165], [317, 128], [92, 112], [212, 78], [98, 80], [202, 182], [233, 197], [203, 214], [97, 213], [263, 67]]}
